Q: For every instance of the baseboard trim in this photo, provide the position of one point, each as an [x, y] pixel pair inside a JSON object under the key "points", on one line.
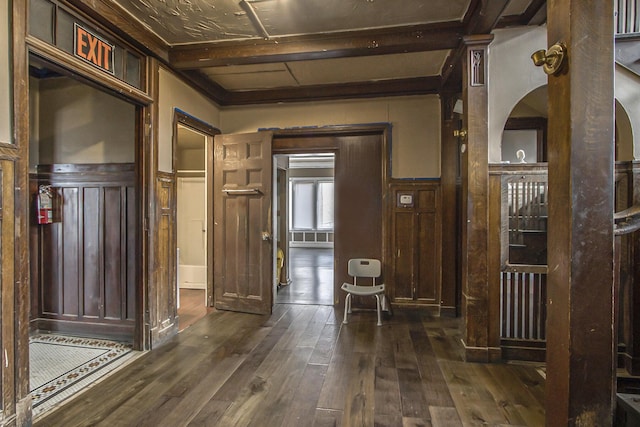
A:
{"points": [[482, 354]]}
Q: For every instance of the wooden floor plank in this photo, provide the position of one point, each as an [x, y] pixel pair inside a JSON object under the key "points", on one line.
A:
{"points": [[359, 404], [305, 400], [302, 367], [444, 417], [327, 418]]}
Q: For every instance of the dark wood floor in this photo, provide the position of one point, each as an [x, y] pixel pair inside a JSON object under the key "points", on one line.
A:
{"points": [[302, 367]]}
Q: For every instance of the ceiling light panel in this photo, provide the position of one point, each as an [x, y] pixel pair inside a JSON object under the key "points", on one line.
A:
{"points": [[282, 17], [369, 68], [248, 77]]}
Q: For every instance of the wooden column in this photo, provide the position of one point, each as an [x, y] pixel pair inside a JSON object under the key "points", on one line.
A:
{"points": [[481, 343], [16, 400], [580, 339], [448, 177]]}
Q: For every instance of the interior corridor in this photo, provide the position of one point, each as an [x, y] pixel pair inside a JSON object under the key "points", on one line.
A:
{"points": [[311, 277]]}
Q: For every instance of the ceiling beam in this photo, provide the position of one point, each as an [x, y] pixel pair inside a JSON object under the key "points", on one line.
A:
{"points": [[536, 14], [486, 16], [337, 45], [400, 87]]}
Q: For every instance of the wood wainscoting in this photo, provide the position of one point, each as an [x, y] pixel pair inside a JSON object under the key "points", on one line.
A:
{"points": [[83, 274], [416, 225]]}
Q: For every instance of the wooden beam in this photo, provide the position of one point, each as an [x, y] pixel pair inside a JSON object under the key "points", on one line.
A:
{"points": [[403, 87], [580, 338], [487, 16], [536, 14], [286, 49]]}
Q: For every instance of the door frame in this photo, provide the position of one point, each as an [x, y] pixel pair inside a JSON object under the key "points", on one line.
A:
{"points": [[182, 118], [326, 140]]}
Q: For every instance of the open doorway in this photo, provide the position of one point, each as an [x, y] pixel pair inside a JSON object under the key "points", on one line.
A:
{"points": [[304, 195], [191, 218], [84, 230], [193, 160]]}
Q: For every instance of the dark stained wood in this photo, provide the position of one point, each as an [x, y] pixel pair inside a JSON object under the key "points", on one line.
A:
{"points": [[487, 16], [415, 237], [242, 253], [448, 190], [162, 307], [534, 15], [580, 345], [92, 74], [147, 128], [15, 372], [359, 185], [86, 259], [480, 338], [394, 87], [7, 304], [336, 45], [239, 369]]}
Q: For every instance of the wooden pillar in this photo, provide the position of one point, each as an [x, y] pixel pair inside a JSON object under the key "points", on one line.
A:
{"points": [[448, 184], [580, 341], [479, 339]]}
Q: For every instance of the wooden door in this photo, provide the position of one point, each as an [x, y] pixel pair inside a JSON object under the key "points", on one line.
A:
{"points": [[242, 251]]}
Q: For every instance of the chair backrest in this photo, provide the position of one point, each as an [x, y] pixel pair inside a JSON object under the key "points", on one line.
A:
{"points": [[364, 267]]}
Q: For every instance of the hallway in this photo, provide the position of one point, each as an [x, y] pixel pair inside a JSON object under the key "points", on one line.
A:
{"points": [[302, 367], [311, 277]]}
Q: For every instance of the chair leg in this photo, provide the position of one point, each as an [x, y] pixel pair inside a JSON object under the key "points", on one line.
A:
{"points": [[347, 307], [378, 307]]}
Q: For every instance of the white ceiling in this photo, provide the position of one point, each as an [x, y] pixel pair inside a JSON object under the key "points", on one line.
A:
{"points": [[198, 21], [328, 71]]}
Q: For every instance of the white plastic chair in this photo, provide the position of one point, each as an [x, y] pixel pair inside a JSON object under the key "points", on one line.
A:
{"points": [[363, 268]]}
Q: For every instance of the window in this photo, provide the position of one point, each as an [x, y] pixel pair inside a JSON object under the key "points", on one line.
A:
{"points": [[311, 204]]}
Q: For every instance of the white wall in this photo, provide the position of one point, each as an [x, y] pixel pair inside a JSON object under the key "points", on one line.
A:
{"points": [[415, 125], [5, 76], [80, 124], [174, 93], [511, 76]]}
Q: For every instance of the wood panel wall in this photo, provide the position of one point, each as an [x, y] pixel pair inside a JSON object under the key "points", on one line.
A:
{"points": [[415, 246], [163, 311], [84, 264]]}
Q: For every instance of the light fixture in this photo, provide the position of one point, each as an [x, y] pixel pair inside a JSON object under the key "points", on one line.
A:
{"points": [[550, 60]]}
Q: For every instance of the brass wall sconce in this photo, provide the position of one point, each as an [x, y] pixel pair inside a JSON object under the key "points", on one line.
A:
{"points": [[552, 59]]}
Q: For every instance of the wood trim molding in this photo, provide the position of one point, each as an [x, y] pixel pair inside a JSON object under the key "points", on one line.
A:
{"points": [[113, 16], [337, 45], [89, 72]]}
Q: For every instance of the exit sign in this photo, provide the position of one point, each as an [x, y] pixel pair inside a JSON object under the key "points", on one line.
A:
{"points": [[93, 48]]}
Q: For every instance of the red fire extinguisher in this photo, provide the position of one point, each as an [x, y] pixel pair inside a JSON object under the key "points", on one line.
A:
{"points": [[45, 205]]}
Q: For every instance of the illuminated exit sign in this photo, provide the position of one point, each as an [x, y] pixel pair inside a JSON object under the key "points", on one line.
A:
{"points": [[93, 48]]}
